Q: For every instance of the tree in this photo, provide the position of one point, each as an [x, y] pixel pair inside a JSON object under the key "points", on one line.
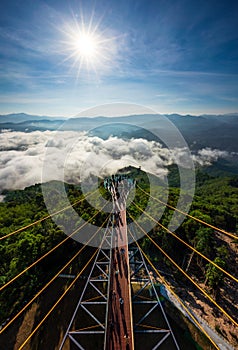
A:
{"points": [[214, 276]]}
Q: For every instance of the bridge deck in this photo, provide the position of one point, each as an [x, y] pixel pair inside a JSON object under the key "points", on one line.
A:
{"points": [[119, 333]]}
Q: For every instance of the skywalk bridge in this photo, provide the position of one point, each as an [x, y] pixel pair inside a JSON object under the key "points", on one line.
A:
{"points": [[112, 316], [115, 315]]}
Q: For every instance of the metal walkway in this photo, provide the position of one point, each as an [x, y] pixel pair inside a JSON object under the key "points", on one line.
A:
{"points": [[119, 332], [106, 299]]}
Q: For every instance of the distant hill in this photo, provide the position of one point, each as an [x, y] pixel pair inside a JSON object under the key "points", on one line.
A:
{"points": [[23, 117], [214, 131]]}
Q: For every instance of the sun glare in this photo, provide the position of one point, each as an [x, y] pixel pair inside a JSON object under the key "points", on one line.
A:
{"points": [[86, 45], [88, 48]]}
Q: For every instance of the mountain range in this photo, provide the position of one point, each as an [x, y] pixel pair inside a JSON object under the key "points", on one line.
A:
{"points": [[215, 131]]}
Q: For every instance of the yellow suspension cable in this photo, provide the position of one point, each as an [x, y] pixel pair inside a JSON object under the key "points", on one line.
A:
{"points": [[50, 282], [189, 246], [175, 295], [46, 254], [181, 270], [45, 217], [190, 216], [57, 302]]}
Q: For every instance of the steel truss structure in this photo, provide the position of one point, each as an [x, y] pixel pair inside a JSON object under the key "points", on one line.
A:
{"points": [[97, 285], [93, 301], [154, 315], [150, 323]]}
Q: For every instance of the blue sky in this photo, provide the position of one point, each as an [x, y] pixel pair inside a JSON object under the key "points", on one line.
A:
{"points": [[173, 56]]}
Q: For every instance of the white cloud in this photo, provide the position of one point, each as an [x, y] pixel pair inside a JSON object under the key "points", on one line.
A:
{"points": [[75, 155], [207, 156]]}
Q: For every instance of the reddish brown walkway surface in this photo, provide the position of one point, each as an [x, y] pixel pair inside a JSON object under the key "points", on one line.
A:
{"points": [[119, 333]]}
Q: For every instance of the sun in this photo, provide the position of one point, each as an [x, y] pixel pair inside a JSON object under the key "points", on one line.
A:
{"points": [[86, 47]]}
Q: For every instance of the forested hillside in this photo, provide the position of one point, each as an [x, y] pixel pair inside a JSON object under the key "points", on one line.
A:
{"points": [[215, 202], [20, 250]]}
